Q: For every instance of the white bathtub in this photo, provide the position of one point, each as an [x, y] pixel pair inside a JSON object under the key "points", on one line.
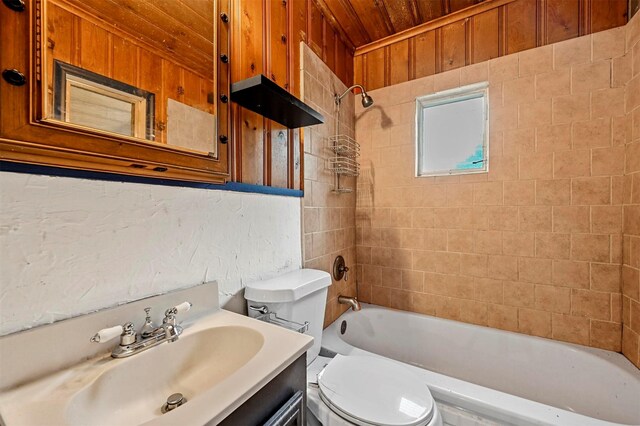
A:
{"points": [[508, 377]]}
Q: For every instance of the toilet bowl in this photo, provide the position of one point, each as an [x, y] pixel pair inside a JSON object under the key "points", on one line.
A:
{"points": [[367, 391], [346, 389]]}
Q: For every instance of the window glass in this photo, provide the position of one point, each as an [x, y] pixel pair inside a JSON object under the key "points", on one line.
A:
{"points": [[100, 111], [452, 132]]}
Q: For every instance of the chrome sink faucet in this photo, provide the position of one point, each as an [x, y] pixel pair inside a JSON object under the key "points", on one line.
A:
{"points": [[132, 343]]}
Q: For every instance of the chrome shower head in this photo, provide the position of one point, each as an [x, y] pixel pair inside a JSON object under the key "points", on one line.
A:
{"points": [[367, 100]]}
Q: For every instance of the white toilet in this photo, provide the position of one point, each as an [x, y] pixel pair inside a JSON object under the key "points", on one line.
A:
{"points": [[345, 390]]}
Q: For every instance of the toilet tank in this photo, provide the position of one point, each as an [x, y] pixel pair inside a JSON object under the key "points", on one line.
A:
{"points": [[297, 296]]}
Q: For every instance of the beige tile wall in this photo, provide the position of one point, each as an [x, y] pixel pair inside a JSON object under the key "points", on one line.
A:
{"points": [[533, 246], [329, 218], [631, 208]]}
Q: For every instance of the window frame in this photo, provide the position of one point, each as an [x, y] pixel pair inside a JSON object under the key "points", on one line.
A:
{"points": [[458, 94], [143, 102]]}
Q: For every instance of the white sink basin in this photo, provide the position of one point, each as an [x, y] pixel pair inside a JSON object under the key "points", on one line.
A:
{"points": [[217, 363], [132, 392]]}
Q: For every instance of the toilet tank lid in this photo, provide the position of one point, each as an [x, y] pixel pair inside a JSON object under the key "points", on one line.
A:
{"points": [[288, 287]]}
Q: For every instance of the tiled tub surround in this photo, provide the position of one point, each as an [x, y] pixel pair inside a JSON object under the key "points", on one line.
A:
{"points": [[535, 245], [631, 212], [328, 218]]}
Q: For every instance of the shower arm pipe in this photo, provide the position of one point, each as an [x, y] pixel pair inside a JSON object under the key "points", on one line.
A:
{"points": [[339, 98]]}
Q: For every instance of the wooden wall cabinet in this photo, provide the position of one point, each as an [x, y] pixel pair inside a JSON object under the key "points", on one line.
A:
{"points": [[27, 137], [252, 37]]}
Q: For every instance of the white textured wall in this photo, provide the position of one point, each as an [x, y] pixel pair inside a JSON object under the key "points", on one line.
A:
{"points": [[70, 246]]}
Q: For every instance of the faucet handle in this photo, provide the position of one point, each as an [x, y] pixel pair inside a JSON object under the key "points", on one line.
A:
{"points": [[170, 314], [107, 334], [340, 269], [128, 336], [183, 307], [126, 333]]}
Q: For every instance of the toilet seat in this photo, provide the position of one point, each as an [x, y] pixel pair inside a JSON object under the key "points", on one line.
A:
{"points": [[375, 391]]}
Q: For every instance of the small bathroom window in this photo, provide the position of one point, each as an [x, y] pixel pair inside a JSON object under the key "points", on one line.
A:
{"points": [[92, 100], [452, 132]]}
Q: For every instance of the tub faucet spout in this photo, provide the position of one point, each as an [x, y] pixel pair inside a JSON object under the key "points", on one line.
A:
{"points": [[351, 301]]}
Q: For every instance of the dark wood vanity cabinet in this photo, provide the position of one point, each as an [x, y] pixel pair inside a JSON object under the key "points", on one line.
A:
{"points": [[263, 407]]}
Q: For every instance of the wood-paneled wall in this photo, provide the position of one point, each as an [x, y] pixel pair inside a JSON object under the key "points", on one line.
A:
{"points": [[265, 39], [77, 38], [326, 40], [182, 29], [488, 30]]}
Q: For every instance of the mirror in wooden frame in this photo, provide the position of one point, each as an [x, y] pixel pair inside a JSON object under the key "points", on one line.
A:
{"points": [[133, 69]]}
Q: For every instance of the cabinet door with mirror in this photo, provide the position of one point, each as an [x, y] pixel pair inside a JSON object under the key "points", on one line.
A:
{"points": [[124, 86]]}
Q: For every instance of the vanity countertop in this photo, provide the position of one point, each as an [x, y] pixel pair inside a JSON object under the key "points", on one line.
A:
{"points": [[52, 399]]}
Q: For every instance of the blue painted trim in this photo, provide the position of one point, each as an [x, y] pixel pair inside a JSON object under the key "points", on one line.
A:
{"points": [[9, 166]]}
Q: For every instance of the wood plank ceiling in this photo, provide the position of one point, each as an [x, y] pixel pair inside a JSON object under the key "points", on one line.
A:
{"points": [[365, 21]]}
